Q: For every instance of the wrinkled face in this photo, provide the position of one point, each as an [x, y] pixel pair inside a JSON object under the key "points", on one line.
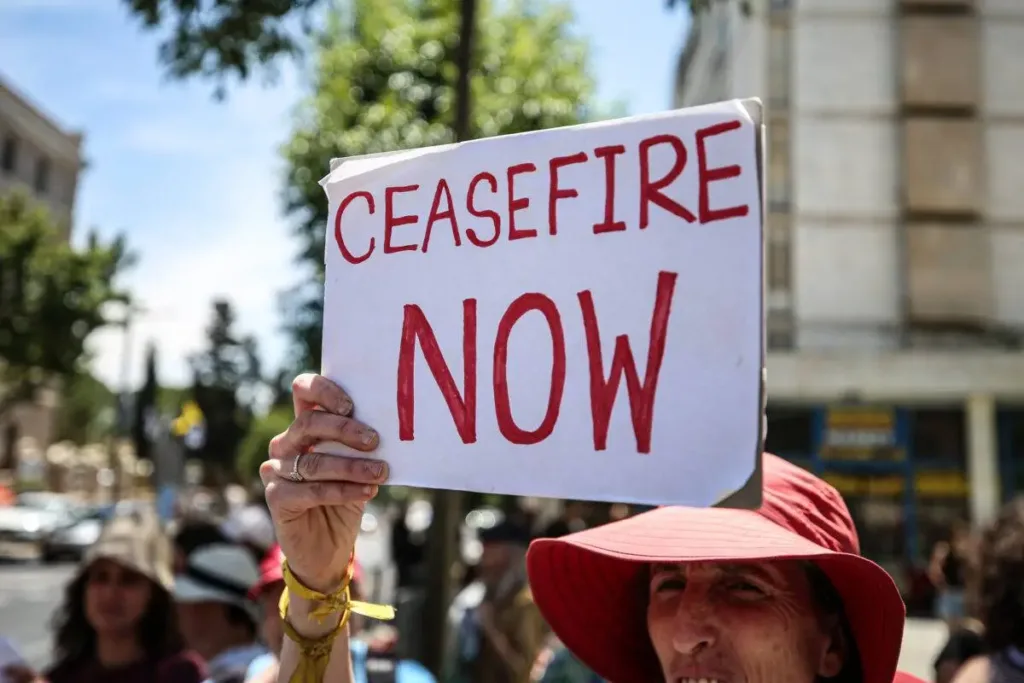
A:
{"points": [[270, 628], [740, 623], [116, 597]]}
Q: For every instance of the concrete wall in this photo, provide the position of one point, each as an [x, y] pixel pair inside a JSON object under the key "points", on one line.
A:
{"points": [[39, 138]]}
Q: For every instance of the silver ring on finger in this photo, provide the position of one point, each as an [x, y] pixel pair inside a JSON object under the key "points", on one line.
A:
{"points": [[296, 475]]}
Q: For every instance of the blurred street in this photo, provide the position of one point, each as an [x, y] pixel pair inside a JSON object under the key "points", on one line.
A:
{"points": [[30, 592], [28, 595]]}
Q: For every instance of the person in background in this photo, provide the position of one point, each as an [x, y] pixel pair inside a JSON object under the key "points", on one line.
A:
{"points": [[372, 659], [217, 617], [947, 570], [965, 643], [190, 535], [407, 549], [251, 527], [571, 520], [556, 664], [996, 586], [117, 623], [499, 640]]}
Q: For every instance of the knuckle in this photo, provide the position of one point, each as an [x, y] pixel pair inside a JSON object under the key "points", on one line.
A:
{"points": [[267, 471], [276, 445], [301, 383], [274, 492], [303, 422]]}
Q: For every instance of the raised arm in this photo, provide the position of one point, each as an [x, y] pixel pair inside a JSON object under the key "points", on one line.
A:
{"points": [[316, 501]]}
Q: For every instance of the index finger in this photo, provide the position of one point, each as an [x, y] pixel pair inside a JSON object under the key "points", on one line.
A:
{"points": [[310, 391]]}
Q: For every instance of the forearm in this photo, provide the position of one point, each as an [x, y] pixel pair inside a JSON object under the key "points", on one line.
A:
{"points": [[339, 668]]}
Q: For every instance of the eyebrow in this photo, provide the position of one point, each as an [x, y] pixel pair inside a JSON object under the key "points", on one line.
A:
{"points": [[729, 569]]}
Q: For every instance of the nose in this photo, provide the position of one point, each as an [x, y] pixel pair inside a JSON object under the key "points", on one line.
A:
{"points": [[694, 628]]}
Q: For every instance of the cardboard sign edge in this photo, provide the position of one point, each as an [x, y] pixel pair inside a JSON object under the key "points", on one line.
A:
{"points": [[751, 494]]}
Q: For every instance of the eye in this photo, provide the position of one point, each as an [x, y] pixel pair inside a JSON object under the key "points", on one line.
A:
{"points": [[744, 588], [667, 584]]}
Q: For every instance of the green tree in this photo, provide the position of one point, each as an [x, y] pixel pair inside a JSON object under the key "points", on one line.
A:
{"points": [[87, 410], [225, 376], [52, 297], [237, 38], [384, 79], [144, 407]]}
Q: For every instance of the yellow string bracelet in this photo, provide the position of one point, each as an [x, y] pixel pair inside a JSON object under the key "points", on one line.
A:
{"points": [[314, 654]]}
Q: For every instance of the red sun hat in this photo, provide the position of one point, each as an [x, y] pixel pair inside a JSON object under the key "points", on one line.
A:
{"points": [[904, 677], [270, 571], [591, 585]]}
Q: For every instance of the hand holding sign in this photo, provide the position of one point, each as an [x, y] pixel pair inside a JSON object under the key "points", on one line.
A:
{"points": [[317, 501]]}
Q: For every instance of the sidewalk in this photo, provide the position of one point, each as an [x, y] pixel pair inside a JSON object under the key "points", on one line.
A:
{"points": [[922, 640]]}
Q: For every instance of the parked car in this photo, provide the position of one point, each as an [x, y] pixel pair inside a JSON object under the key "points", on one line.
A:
{"points": [[33, 515], [70, 540]]}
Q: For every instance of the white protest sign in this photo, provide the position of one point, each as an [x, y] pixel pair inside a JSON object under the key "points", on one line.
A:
{"points": [[574, 313]]}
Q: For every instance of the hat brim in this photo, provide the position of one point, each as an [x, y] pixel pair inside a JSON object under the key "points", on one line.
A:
{"points": [[591, 586], [187, 590], [159, 575]]}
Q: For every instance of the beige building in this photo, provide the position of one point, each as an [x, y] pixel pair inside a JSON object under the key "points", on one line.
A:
{"points": [[40, 157], [895, 245]]}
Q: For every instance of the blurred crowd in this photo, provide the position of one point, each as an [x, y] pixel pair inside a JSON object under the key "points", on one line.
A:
{"points": [[197, 599]]}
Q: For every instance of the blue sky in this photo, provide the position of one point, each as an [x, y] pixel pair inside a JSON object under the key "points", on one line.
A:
{"points": [[196, 183]]}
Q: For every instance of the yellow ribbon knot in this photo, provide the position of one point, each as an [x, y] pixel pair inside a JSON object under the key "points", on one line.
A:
{"points": [[315, 654]]}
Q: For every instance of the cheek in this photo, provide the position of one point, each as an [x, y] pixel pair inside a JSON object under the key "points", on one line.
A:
{"points": [[773, 638], [660, 625], [137, 599], [91, 597]]}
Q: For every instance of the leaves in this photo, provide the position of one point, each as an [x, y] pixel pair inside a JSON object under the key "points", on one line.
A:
{"points": [[253, 449], [87, 410], [225, 376], [220, 39], [52, 297], [384, 79]]}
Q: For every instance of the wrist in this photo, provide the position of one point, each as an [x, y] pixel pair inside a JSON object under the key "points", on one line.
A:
{"points": [[300, 616], [325, 583], [324, 577]]}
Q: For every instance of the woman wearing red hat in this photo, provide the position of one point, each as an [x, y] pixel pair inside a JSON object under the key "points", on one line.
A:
{"points": [[676, 594]]}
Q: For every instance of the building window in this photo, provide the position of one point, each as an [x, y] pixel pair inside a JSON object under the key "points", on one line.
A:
{"points": [[778, 165], [779, 64], [42, 179], [790, 432], [9, 154], [939, 437]]}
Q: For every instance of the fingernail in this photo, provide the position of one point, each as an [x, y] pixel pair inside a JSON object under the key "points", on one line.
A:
{"points": [[344, 407], [369, 436], [377, 470], [367, 490]]}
